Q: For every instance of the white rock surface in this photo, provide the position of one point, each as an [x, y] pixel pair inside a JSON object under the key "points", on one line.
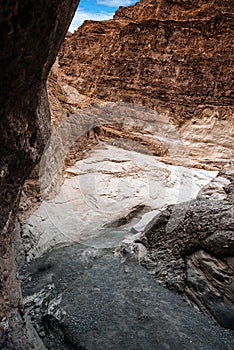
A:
{"points": [[145, 219], [105, 187], [209, 138]]}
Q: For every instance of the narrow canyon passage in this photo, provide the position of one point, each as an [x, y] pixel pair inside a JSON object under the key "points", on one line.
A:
{"points": [[116, 176]]}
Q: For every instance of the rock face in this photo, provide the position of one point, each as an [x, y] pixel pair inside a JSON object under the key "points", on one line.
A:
{"points": [[173, 56], [31, 33], [173, 10], [64, 99], [197, 256]]}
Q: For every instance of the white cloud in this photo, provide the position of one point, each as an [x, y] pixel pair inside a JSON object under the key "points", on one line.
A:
{"points": [[81, 15], [115, 3]]}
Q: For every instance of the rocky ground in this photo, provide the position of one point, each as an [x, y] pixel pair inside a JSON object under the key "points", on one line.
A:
{"points": [[87, 298]]}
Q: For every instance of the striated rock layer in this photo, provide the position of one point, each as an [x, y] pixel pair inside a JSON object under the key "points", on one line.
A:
{"points": [[176, 57], [101, 193], [31, 33]]}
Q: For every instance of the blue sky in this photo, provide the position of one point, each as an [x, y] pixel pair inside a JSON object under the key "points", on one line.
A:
{"points": [[97, 10]]}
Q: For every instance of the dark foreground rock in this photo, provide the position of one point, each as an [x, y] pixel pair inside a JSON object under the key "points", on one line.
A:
{"points": [[31, 33], [196, 257], [85, 298]]}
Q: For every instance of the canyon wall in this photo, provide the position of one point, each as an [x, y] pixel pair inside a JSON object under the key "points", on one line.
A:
{"points": [[31, 34], [175, 57]]}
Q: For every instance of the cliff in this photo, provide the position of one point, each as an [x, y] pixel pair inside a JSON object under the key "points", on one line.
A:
{"points": [[174, 57], [174, 10]]}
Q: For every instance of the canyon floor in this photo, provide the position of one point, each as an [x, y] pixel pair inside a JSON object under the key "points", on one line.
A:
{"points": [[88, 298]]}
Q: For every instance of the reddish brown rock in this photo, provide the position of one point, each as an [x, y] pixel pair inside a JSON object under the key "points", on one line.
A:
{"points": [[175, 57], [64, 100], [210, 284], [173, 10]]}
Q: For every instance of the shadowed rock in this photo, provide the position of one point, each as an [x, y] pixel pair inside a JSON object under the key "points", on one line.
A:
{"points": [[31, 34], [197, 256], [86, 298]]}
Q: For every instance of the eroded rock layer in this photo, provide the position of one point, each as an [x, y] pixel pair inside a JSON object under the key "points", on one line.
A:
{"points": [[176, 57], [173, 10]]}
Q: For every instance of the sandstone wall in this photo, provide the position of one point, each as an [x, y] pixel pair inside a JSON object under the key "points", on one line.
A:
{"points": [[174, 57]]}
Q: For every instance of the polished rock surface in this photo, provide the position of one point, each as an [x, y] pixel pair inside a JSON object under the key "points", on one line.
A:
{"points": [[102, 194]]}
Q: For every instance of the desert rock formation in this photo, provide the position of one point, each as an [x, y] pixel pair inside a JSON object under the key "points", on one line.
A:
{"points": [[155, 80], [177, 59], [171, 56], [174, 57]]}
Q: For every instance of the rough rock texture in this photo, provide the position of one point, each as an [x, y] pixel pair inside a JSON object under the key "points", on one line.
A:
{"points": [[197, 256], [64, 99], [173, 56], [174, 10], [118, 305], [31, 33]]}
